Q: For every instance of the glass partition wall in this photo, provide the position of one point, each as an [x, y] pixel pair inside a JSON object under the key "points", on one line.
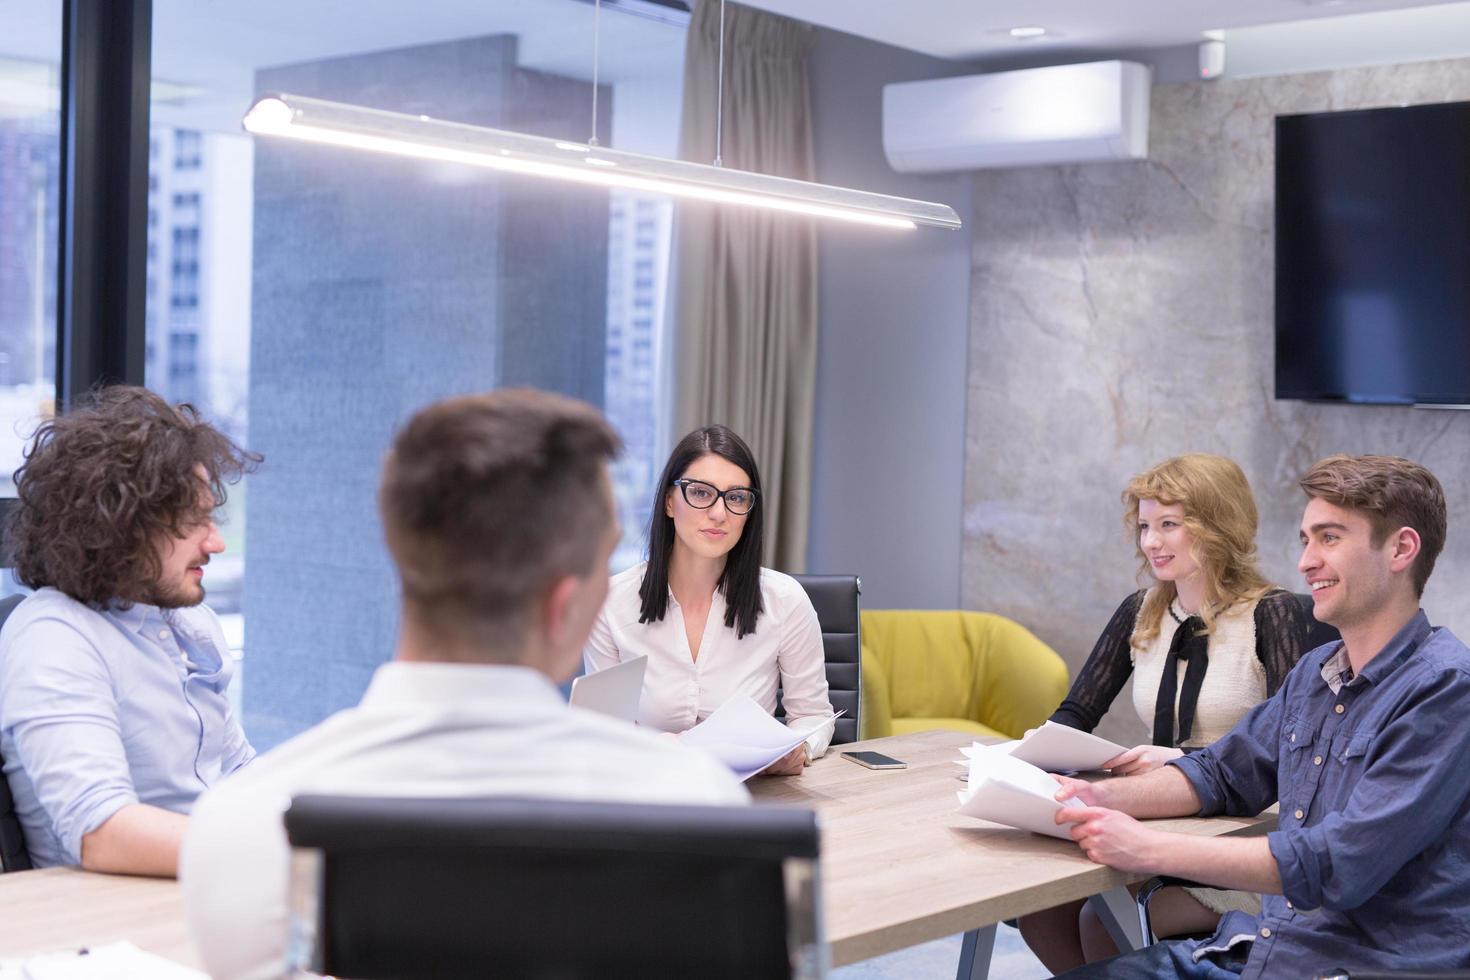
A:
{"points": [[308, 299]]}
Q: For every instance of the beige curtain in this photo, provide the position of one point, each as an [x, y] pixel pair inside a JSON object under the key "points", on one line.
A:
{"points": [[745, 337]]}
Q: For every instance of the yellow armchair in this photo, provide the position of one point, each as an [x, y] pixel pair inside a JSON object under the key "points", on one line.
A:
{"points": [[966, 671]]}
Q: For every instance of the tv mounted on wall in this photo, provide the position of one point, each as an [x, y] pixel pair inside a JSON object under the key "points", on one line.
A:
{"points": [[1373, 255]]}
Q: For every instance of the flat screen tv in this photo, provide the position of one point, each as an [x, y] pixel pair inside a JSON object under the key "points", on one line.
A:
{"points": [[1373, 255]]}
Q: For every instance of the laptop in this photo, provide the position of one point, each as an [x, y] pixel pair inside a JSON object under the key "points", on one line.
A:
{"points": [[614, 690]]}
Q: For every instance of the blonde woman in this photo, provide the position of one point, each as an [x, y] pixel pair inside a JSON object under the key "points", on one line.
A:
{"points": [[1206, 642]]}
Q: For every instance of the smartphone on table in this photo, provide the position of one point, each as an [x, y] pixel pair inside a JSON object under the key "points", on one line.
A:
{"points": [[874, 760]]}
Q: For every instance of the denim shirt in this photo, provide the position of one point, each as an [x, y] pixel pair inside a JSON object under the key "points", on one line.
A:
{"points": [[1373, 842], [100, 709]]}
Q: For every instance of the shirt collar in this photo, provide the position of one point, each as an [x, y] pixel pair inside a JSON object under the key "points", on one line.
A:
{"points": [[1336, 666], [403, 681], [135, 617]]}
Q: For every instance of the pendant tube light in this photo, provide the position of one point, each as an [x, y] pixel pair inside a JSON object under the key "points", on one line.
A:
{"points": [[399, 134]]}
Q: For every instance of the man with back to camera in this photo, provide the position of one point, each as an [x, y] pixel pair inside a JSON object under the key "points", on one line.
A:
{"points": [[499, 516], [113, 711], [1364, 747]]}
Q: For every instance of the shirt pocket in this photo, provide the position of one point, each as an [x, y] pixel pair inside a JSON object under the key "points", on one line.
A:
{"points": [[1351, 748], [1298, 735]]}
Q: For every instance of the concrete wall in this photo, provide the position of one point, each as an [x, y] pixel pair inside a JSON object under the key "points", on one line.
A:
{"points": [[1122, 313], [890, 407]]}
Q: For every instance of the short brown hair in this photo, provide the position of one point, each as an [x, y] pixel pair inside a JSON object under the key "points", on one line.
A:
{"points": [[103, 483], [1393, 492], [486, 499]]}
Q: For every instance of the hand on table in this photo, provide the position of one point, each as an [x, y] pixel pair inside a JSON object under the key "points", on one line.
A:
{"points": [[790, 764], [1141, 759], [1112, 838]]}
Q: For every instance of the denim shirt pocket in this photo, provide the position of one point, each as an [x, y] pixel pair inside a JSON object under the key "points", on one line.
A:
{"points": [[1297, 736], [1350, 747]]}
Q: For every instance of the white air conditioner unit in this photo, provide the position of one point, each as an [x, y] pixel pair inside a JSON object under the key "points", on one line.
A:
{"points": [[1033, 117]]}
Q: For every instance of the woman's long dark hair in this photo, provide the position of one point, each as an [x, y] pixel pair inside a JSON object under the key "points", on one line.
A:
{"points": [[741, 579]]}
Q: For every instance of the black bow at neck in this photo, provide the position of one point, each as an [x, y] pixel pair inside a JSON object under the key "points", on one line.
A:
{"points": [[1193, 648]]}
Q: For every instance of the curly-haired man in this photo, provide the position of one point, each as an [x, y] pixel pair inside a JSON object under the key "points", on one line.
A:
{"points": [[113, 711]]}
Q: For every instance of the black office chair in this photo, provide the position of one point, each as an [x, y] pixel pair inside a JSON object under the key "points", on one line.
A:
{"points": [[552, 889], [13, 853], [836, 600]]}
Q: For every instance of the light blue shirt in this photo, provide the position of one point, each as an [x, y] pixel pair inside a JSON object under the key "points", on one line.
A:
{"points": [[99, 710]]}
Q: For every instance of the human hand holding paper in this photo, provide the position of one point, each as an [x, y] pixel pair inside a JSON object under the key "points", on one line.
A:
{"points": [[741, 734], [1006, 790]]}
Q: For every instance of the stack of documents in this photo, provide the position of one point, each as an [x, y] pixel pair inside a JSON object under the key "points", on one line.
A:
{"points": [[1057, 748], [114, 961], [744, 736], [1005, 790]]}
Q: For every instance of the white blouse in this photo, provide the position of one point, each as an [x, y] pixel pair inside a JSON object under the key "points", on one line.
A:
{"points": [[679, 691]]}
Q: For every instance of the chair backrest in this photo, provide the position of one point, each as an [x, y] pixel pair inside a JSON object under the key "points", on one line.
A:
{"points": [[944, 663], [835, 598], [1318, 632], [13, 853], [552, 889]]}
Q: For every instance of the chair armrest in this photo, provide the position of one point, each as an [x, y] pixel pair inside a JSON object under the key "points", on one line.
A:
{"points": [[1145, 895]]}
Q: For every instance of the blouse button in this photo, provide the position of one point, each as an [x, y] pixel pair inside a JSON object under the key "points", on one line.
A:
{"points": [[1299, 813]]}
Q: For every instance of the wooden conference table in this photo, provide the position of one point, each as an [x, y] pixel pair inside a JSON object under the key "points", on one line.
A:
{"points": [[899, 867]]}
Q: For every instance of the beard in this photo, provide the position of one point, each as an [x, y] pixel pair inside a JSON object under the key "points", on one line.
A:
{"points": [[179, 595]]}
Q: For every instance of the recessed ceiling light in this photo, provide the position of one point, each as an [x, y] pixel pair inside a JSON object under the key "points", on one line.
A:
{"points": [[1023, 33]]}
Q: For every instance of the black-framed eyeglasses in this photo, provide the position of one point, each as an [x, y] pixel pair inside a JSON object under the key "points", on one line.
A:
{"points": [[702, 496]]}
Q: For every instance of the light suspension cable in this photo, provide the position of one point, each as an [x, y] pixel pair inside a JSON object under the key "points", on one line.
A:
{"points": [[399, 134]]}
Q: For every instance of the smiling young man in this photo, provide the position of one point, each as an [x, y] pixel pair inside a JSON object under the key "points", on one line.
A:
{"points": [[113, 711], [1363, 746]]}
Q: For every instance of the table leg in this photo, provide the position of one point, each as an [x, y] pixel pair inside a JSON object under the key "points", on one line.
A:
{"points": [[1119, 915], [975, 952]]}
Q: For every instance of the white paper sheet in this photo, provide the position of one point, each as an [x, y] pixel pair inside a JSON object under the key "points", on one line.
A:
{"points": [[744, 736], [113, 961], [1057, 748], [1006, 790]]}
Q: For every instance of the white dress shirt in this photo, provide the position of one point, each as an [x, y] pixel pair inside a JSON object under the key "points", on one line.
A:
{"points": [[422, 729], [679, 691]]}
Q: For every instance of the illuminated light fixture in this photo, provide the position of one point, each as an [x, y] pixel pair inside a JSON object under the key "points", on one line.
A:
{"points": [[399, 134], [1025, 33]]}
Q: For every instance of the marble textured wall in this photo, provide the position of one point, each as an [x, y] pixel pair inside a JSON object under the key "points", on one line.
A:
{"points": [[1121, 314]]}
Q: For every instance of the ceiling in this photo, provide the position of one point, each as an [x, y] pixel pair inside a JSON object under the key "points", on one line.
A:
{"points": [[965, 29]]}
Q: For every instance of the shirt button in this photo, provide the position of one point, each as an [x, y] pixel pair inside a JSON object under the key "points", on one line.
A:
{"points": [[1289, 905], [1299, 813], [163, 634], [1266, 933], [1291, 737], [1339, 709], [1316, 760]]}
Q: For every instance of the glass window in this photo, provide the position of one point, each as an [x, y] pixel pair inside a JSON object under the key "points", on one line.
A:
{"points": [[308, 299], [30, 172]]}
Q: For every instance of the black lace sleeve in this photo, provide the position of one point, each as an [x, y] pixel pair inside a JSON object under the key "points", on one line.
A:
{"points": [[1106, 671], [1281, 636]]}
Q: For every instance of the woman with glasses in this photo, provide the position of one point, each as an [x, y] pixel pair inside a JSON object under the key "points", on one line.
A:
{"points": [[712, 621], [1205, 643]]}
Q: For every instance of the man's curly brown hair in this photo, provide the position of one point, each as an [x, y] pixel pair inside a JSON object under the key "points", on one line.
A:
{"points": [[102, 485]]}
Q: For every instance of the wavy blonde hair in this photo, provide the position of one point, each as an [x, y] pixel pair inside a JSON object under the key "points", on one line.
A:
{"points": [[1220, 516]]}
